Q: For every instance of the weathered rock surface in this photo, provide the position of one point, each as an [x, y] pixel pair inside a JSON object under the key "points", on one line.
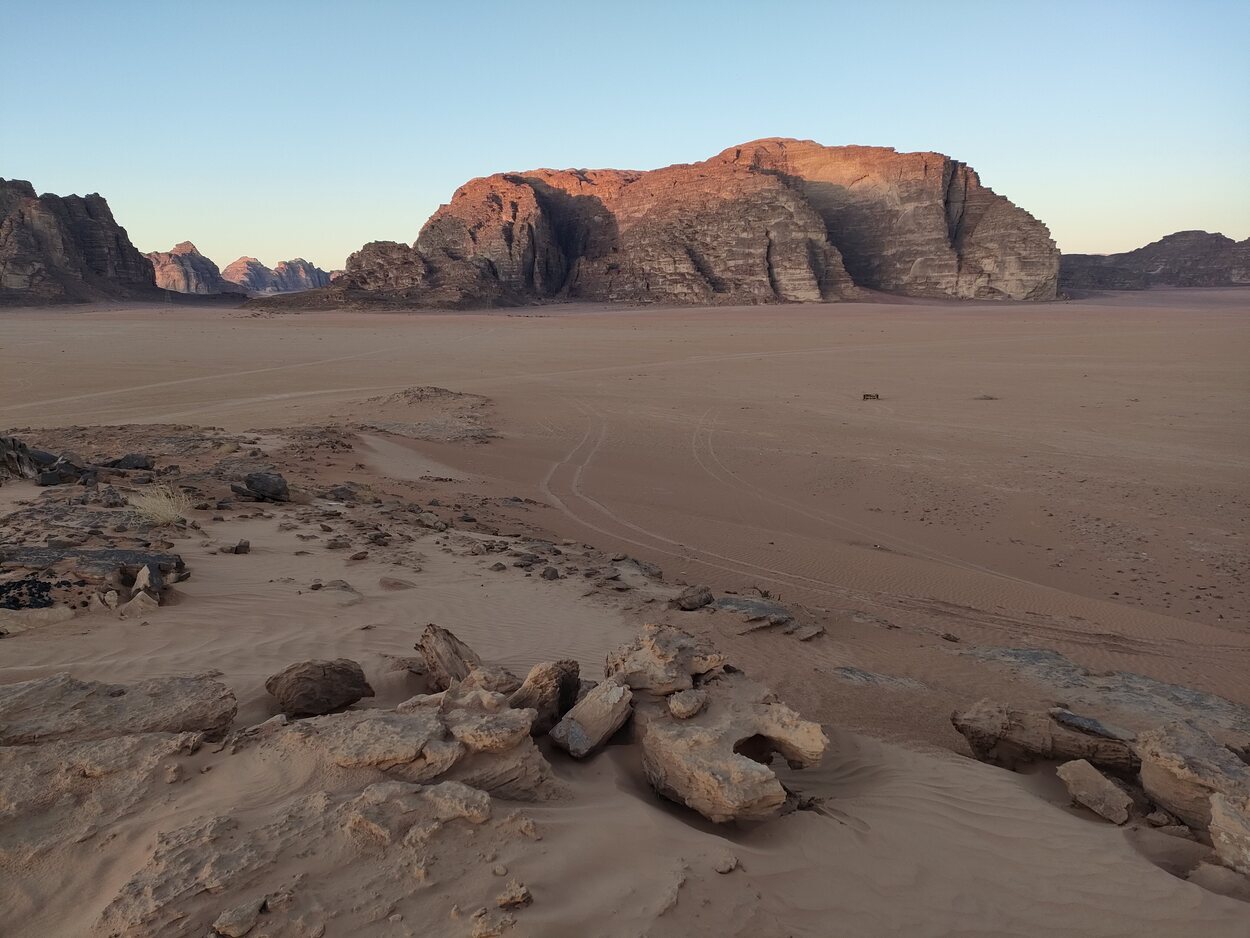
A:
{"points": [[765, 222], [1230, 830], [184, 269], [293, 276], [716, 762], [447, 659], [16, 461], [1104, 796], [66, 249], [1183, 259], [263, 487], [692, 598], [663, 660], [1182, 766], [594, 719], [920, 224], [312, 688], [550, 689], [1009, 737], [62, 708]]}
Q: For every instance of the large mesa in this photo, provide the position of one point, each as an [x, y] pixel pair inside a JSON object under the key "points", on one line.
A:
{"points": [[765, 222]]}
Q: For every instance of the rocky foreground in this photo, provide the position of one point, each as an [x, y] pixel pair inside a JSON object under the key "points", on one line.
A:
{"points": [[769, 221], [425, 791]]}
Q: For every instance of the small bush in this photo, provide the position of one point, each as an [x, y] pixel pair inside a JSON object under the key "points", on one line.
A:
{"points": [[161, 504]]}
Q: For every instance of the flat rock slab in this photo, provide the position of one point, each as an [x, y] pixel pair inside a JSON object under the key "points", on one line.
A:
{"points": [[63, 708], [1102, 795], [1008, 737], [89, 562]]}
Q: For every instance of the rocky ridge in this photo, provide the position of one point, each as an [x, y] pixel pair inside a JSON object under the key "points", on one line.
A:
{"points": [[291, 276], [1182, 259], [184, 269], [66, 249], [766, 222]]}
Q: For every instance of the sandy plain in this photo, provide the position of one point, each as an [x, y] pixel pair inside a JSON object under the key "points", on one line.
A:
{"points": [[1068, 477]]}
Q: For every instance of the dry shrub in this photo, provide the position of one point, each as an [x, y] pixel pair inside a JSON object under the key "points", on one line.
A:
{"points": [[161, 504]]}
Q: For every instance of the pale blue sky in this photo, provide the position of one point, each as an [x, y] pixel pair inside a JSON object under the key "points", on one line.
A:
{"points": [[283, 129]]}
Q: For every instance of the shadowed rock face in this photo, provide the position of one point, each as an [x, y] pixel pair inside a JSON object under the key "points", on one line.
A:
{"points": [[771, 221], [290, 276], [184, 269], [65, 249], [1183, 259]]}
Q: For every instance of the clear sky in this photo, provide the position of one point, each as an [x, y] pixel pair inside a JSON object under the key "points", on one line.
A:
{"points": [[283, 129]]}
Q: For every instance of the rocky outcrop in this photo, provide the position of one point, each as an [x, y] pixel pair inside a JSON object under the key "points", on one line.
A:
{"points": [[766, 222], [66, 249], [293, 276], [184, 269], [1008, 737], [1183, 259], [63, 708]]}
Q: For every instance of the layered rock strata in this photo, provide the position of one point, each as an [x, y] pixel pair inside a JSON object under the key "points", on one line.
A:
{"points": [[769, 221], [66, 249]]}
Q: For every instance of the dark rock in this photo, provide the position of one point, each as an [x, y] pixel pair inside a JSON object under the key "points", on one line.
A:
{"points": [[1183, 259], [311, 688], [263, 486], [131, 461], [695, 597]]}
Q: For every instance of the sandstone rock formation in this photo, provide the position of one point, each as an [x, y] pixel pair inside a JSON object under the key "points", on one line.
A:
{"points": [[66, 249], [1182, 766], [769, 221], [594, 719], [63, 708], [184, 269], [1107, 797], [1183, 259], [1009, 737], [292, 276]]}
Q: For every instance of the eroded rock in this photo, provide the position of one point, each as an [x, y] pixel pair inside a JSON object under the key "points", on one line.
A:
{"points": [[663, 660], [312, 688], [594, 719], [447, 659], [1004, 736], [550, 689], [1105, 796], [1182, 766]]}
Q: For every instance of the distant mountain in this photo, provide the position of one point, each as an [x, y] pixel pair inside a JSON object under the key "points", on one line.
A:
{"points": [[290, 276], [66, 249], [770, 221], [1183, 259], [185, 270]]}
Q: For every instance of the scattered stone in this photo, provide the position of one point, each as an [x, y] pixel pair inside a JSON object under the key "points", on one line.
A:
{"points": [[447, 659], [726, 864], [263, 486], [594, 719], [687, 703], [514, 896], [1104, 796], [551, 690], [359, 555], [550, 573], [663, 660], [395, 583], [695, 597], [311, 688], [498, 567]]}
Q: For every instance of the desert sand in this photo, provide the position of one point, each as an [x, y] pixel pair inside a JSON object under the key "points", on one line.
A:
{"points": [[1062, 477]]}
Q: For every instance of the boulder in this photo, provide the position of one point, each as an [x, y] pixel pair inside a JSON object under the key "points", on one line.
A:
{"points": [[717, 761], [312, 688], [1182, 766], [1004, 736], [550, 689], [663, 660], [263, 486], [595, 718], [1105, 796], [447, 659], [15, 459], [1230, 829], [63, 708], [695, 597]]}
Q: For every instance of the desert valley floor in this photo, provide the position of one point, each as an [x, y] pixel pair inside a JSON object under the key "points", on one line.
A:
{"points": [[1047, 505]]}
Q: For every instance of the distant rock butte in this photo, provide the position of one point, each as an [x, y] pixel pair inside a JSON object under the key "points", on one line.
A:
{"points": [[290, 276], [184, 269], [770, 221], [65, 249], [1183, 259]]}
